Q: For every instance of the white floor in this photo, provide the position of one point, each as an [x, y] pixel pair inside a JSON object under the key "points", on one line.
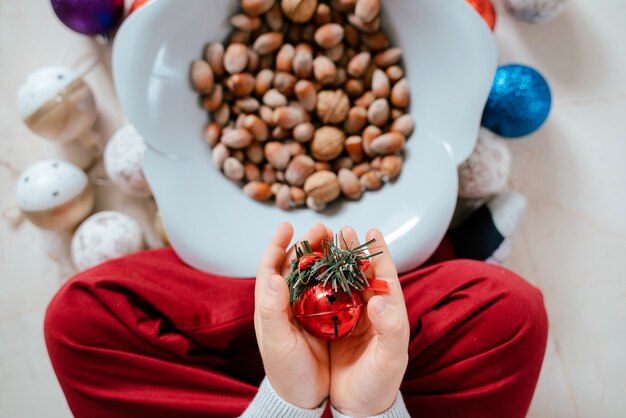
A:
{"points": [[572, 244]]}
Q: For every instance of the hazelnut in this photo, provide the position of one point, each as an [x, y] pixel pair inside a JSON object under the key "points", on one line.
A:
{"points": [[267, 43], [256, 7], [258, 191], [283, 197], [388, 143], [329, 35], [233, 169], [349, 183], [324, 70], [202, 76], [214, 54], [400, 95], [371, 180], [299, 169], [299, 11], [303, 132], [306, 94], [277, 155], [390, 166], [367, 10], [403, 124]]}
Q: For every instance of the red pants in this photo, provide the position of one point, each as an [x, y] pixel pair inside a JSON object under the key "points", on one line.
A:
{"points": [[147, 336]]}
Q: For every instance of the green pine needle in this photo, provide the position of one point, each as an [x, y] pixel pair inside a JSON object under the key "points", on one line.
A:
{"points": [[339, 267]]}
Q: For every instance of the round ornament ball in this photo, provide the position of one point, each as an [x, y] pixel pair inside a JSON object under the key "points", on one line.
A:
{"points": [[328, 314], [486, 10], [54, 195], [519, 101], [89, 17], [535, 11], [486, 171], [136, 5], [104, 236], [57, 104], [123, 162]]}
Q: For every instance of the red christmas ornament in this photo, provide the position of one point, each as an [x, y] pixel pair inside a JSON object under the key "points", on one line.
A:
{"points": [[486, 10], [136, 5], [326, 288], [326, 314]]}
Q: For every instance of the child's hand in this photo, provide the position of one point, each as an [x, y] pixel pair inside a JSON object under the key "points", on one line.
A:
{"points": [[296, 364], [367, 367]]}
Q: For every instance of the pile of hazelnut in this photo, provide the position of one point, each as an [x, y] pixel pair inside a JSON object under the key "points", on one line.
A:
{"points": [[307, 100]]}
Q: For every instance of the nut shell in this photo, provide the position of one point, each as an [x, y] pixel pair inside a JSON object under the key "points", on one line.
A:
{"points": [[332, 106], [299, 169], [327, 143], [323, 186], [258, 190], [299, 11], [202, 76]]}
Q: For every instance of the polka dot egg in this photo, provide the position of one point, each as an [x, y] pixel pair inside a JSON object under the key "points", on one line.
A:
{"points": [[486, 171], [123, 162], [54, 194], [57, 104], [104, 236]]}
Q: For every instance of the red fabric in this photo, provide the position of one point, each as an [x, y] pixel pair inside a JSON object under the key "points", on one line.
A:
{"points": [[147, 336]]}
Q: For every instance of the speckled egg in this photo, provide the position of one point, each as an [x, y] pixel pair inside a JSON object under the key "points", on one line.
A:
{"points": [[123, 162], [54, 194], [57, 104], [535, 11], [104, 236], [486, 171]]}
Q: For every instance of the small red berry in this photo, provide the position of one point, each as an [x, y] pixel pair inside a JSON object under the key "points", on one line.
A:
{"points": [[308, 260], [364, 264]]}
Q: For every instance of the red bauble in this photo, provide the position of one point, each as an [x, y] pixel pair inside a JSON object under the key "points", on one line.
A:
{"points": [[136, 5], [486, 10], [326, 314]]}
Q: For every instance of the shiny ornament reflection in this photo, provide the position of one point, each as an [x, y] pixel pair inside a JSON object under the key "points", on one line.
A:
{"points": [[89, 17], [326, 314], [519, 101]]}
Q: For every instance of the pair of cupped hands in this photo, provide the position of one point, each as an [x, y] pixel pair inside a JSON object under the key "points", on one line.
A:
{"points": [[362, 373]]}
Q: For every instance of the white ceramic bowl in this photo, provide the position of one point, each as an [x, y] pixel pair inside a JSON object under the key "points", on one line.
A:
{"points": [[450, 59]]}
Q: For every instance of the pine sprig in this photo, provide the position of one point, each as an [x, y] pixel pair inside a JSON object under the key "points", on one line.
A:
{"points": [[342, 268]]}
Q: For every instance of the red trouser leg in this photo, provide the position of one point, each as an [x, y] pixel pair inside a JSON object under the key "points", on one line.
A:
{"points": [[147, 336]]}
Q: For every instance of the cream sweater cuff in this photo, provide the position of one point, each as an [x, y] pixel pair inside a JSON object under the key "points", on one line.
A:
{"points": [[267, 403], [397, 410]]}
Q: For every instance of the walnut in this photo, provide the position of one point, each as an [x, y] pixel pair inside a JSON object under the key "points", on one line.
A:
{"points": [[332, 106], [323, 186], [327, 143]]}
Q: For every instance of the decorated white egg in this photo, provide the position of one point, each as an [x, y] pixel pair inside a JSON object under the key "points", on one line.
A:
{"points": [[54, 194], [57, 104], [486, 171], [535, 11], [104, 236], [123, 162]]}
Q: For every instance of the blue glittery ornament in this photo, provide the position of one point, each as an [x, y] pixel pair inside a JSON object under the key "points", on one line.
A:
{"points": [[519, 101]]}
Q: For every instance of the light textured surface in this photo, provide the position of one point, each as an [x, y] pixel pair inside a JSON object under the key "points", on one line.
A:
{"points": [[572, 172]]}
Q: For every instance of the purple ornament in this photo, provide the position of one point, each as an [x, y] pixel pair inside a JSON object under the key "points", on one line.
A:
{"points": [[89, 17]]}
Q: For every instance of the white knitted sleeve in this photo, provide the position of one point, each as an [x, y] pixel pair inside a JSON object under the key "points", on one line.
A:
{"points": [[267, 403]]}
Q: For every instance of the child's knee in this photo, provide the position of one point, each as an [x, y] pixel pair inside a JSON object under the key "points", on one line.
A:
{"points": [[515, 306]]}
